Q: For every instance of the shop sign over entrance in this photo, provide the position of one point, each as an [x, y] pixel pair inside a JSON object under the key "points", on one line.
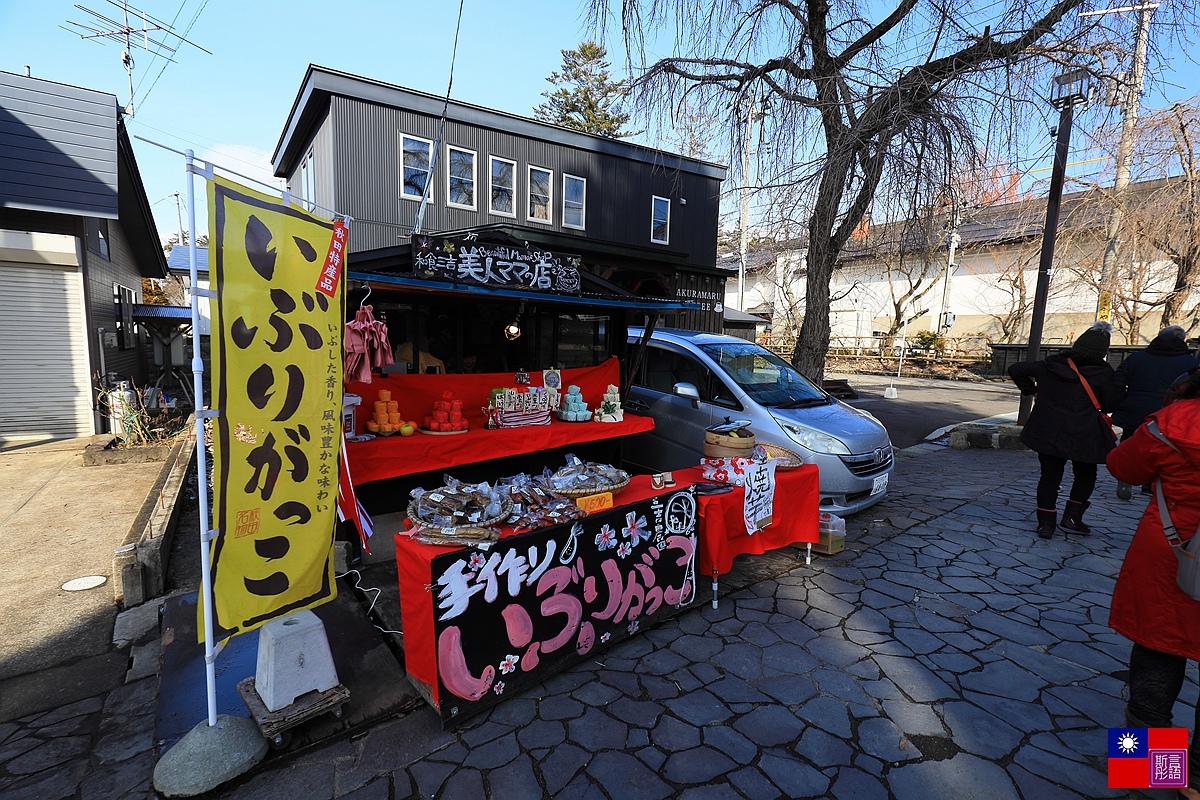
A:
{"points": [[463, 260], [507, 618]]}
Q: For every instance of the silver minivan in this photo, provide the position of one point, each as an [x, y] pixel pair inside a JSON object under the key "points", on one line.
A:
{"points": [[688, 380]]}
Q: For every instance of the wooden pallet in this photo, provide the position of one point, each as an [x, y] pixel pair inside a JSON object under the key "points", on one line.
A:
{"points": [[273, 724]]}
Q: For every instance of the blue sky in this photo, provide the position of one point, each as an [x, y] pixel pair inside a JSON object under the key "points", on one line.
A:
{"points": [[230, 107]]}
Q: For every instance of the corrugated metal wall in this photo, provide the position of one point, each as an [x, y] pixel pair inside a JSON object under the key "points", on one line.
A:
{"points": [[619, 190], [58, 145]]}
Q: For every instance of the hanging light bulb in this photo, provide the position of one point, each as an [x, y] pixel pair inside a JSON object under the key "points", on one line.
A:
{"points": [[512, 331]]}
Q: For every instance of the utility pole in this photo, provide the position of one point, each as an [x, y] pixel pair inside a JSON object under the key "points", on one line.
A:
{"points": [[179, 219], [1068, 90], [753, 114], [952, 242], [1131, 102]]}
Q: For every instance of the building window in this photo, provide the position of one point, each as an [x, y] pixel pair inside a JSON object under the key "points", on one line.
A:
{"points": [[540, 194], [96, 234], [416, 158], [574, 201], [660, 220], [461, 177], [504, 187], [123, 300]]}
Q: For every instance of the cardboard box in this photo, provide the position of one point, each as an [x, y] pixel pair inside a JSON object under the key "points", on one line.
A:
{"points": [[830, 543]]}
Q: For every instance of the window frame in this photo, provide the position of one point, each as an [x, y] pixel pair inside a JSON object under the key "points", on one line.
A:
{"points": [[654, 202], [450, 148], [582, 226], [404, 195], [124, 299], [96, 237], [529, 195], [492, 186], [308, 180]]}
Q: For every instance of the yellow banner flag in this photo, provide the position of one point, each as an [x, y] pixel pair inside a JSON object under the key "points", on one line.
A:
{"points": [[277, 383]]}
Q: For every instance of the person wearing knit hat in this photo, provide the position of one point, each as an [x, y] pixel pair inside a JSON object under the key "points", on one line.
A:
{"points": [[1144, 378], [1065, 425]]}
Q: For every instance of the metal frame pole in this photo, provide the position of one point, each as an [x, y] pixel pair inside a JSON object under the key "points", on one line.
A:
{"points": [[206, 597]]}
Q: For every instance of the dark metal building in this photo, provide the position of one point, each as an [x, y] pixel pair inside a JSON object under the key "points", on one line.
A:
{"points": [[400, 161]]}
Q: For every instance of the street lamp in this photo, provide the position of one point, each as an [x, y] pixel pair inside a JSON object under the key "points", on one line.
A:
{"points": [[1066, 91]]}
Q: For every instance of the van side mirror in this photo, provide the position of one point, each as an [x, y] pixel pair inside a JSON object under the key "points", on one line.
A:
{"points": [[686, 390]]}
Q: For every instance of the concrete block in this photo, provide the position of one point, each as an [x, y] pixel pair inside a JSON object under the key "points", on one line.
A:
{"points": [[958, 439], [146, 661], [982, 438], [341, 557], [293, 659], [1010, 441], [135, 624], [133, 584]]}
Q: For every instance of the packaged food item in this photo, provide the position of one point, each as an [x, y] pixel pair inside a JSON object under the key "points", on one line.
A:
{"points": [[457, 504]]}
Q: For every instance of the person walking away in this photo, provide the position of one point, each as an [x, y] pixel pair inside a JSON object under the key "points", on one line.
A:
{"points": [[1148, 607], [1071, 389], [1144, 378]]}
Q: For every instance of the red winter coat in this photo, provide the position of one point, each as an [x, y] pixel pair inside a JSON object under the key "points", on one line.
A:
{"points": [[1147, 606]]}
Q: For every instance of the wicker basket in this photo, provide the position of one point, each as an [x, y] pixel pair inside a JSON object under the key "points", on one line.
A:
{"points": [[506, 507], [575, 494], [785, 459]]}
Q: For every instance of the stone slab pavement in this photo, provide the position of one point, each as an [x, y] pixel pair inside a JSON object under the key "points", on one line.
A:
{"points": [[946, 653]]}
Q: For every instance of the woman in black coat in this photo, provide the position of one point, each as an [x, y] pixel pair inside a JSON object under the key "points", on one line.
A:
{"points": [[1144, 378], [1065, 426]]}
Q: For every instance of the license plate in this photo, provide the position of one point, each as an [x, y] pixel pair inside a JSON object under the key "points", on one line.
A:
{"points": [[880, 484]]}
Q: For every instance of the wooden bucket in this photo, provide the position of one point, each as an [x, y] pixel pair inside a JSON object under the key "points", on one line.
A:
{"points": [[719, 445]]}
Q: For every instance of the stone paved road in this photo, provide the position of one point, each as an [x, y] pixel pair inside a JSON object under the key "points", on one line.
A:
{"points": [[947, 653]]}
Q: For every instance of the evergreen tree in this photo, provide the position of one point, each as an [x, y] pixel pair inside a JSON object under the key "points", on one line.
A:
{"points": [[587, 98]]}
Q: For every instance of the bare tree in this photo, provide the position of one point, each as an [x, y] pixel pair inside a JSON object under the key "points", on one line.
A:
{"points": [[1168, 214], [858, 101]]}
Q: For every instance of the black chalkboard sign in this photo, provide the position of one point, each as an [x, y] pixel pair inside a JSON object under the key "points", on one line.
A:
{"points": [[509, 617], [463, 260]]}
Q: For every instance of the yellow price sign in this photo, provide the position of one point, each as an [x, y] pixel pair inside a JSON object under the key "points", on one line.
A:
{"points": [[1105, 310], [596, 502]]}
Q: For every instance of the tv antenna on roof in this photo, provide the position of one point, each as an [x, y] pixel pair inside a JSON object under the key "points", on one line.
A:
{"points": [[120, 31]]}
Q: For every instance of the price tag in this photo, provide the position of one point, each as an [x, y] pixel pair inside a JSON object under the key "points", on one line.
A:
{"points": [[596, 502]]}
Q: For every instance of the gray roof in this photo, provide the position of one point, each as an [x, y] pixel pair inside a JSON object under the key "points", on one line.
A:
{"points": [[321, 83], [143, 312], [178, 260]]}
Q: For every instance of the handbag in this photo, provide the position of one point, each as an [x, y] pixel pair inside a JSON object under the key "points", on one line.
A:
{"points": [[1187, 553], [1092, 396]]}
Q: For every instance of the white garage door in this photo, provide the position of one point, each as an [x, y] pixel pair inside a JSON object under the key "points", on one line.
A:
{"points": [[45, 383]]}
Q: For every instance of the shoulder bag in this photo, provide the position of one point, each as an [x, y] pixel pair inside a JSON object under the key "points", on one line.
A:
{"points": [[1092, 396], [1188, 573]]}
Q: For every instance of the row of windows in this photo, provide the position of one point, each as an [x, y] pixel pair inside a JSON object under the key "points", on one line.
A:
{"points": [[462, 182]]}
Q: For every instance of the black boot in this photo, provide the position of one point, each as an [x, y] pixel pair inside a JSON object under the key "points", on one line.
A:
{"points": [[1124, 490], [1046, 520], [1072, 518]]}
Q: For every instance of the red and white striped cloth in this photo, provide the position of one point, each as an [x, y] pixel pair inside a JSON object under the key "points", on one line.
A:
{"points": [[348, 507]]}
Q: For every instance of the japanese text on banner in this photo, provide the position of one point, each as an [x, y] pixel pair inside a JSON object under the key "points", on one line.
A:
{"points": [[760, 496], [277, 381]]}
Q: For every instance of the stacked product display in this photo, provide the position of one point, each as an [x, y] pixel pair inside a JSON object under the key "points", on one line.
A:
{"points": [[447, 416], [573, 409], [610, 407], [387, 418]]}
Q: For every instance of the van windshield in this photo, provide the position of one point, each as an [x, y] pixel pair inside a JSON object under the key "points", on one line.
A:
{"points": [[764, 376]]}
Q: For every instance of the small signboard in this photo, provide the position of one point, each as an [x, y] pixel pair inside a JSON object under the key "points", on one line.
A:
{"points": [[596, 502], [759, 507], [506, 619], [463, 260]]}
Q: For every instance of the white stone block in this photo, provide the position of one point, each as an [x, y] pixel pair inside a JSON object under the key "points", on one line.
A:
{"points": [[293, 659]]}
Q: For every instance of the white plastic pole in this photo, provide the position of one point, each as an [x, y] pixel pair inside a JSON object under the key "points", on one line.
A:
{"points": [[206, 595]]}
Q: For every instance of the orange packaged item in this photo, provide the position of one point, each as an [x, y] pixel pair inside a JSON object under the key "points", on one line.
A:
{"points": [[385, 395]]}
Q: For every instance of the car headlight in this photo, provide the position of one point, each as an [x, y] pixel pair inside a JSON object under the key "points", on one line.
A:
{"points": [[815, 441]]}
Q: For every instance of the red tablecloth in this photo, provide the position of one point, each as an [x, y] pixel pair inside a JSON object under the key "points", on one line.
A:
{"points": [[389, 457], [721, 530]]}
